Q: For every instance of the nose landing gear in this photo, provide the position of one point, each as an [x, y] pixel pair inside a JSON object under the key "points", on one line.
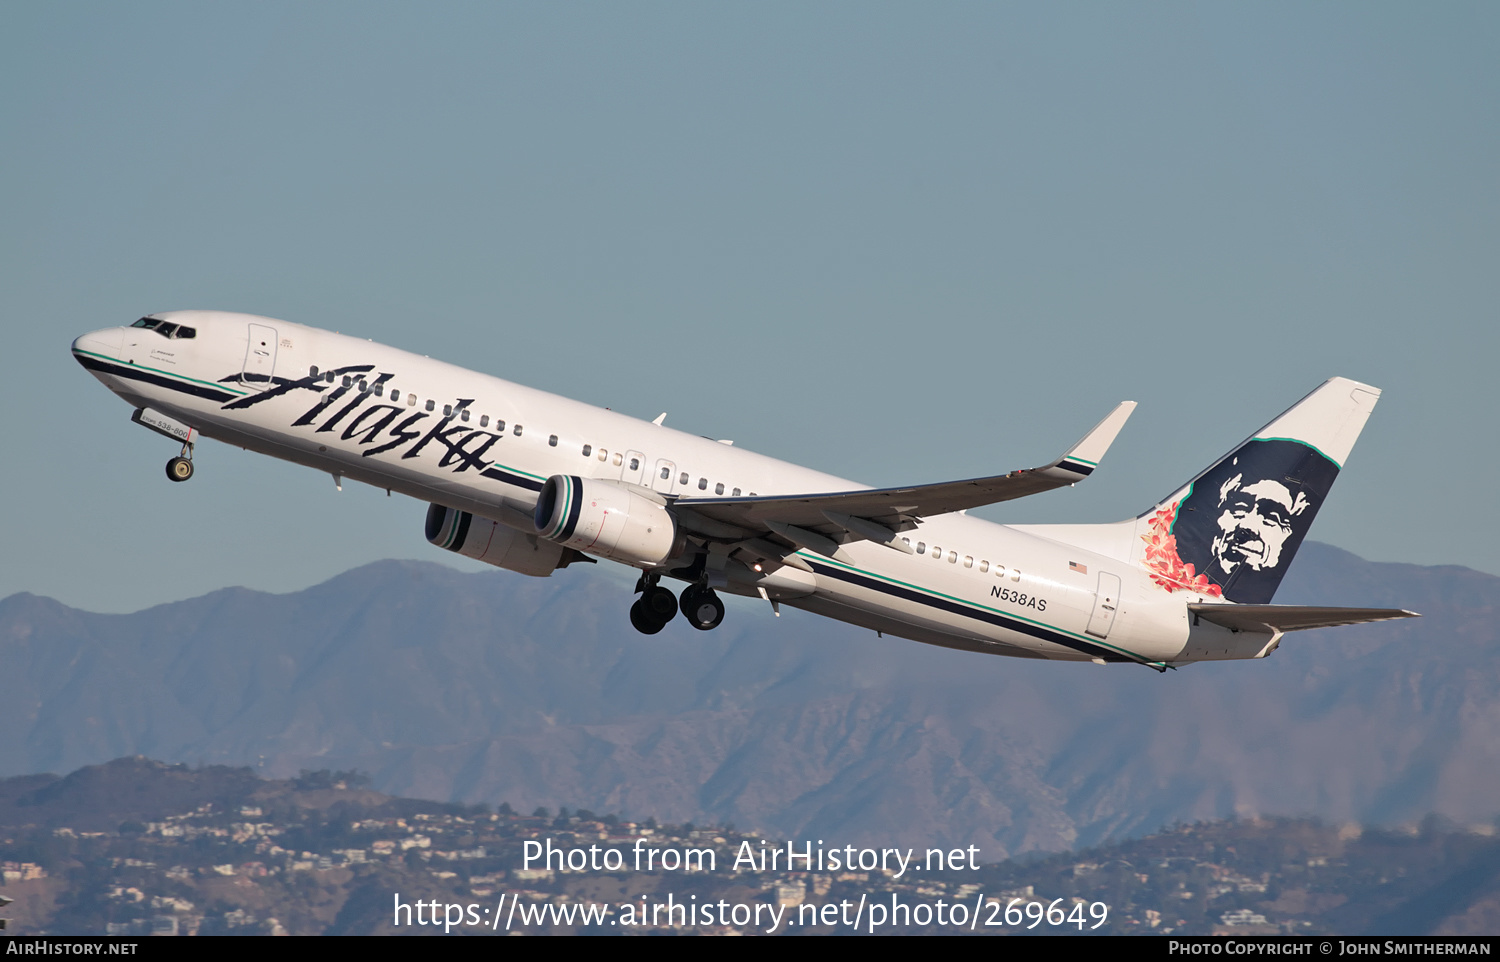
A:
{"points": [[180, 468]]}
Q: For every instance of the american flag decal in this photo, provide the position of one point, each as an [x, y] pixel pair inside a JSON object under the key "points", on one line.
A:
{"points": [[1075, 566]]}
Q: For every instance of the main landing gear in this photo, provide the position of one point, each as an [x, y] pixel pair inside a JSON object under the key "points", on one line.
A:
{"points": [[654, 608], [701, 607], [657, 605], [180, 468]]}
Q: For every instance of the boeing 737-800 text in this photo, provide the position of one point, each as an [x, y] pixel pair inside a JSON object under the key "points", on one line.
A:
{"points": [[533, 482]]}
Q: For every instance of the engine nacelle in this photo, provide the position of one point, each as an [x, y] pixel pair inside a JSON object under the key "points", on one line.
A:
{"points": [[494, 543], [621, 522]]}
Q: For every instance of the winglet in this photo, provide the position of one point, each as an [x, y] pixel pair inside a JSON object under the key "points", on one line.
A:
{"points": [[1084, 456]]}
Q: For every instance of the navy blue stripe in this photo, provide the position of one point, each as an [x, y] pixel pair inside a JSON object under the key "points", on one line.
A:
{"points": [[575, 484], [137, 374], [464, 518], [943, 604], [519, 481], [1076, 467]]}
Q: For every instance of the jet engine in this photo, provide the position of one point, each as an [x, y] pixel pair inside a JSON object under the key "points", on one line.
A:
{"points": [[611, 519], [496, 544]]}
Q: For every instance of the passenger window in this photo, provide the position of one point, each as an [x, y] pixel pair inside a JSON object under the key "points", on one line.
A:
{"points": [[348, 380], [984, 566], [952, 557], [968, 561], [666, 473], [921, 547], [484, 420], [619, 459], [447, 410], [463, 415], [364, 386], [736, 492], [499, 425], [516, 430], [702, 484], [682, 478], [552, 441], [603, 455], [718, 489], [1015, 575], [328, 376], [906, 541], [411, 400], [937, 552], [312, 371], [999, 571], [635, 464], [588, 449]]}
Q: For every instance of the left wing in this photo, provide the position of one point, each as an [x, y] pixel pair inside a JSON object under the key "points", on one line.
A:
{"points": [[821, 521]]}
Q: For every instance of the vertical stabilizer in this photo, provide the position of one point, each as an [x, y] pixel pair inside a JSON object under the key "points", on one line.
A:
{"points": [[1231, 532]]}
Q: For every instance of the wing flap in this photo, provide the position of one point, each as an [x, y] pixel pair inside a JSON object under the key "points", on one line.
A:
{"points": [[1291, 617]]}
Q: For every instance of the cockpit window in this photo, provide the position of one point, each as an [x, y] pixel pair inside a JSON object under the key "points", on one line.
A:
{"points": [[165, 328]]}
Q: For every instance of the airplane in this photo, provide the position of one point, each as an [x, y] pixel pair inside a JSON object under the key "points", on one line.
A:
{"points": [[534, 482]]}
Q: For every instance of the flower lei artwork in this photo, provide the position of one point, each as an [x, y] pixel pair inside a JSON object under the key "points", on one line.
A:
{"points": [[1163, 562]]}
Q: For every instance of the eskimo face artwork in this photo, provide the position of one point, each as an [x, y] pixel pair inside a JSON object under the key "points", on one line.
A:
{"points": [[1255, 521], [1235, 532]]}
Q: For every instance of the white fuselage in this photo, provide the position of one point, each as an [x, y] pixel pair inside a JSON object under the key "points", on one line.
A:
{"points": [[434, 431]]}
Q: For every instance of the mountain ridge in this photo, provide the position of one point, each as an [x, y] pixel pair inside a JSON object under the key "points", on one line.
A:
{"points": [[491, 687]]}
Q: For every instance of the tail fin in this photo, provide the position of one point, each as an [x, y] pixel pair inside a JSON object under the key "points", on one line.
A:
{"points": [[1231, 532]]}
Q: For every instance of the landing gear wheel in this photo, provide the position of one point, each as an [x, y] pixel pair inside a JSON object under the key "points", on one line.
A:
{"points": [[660, 603], [702, 608], [179, 469], [643, 620]]}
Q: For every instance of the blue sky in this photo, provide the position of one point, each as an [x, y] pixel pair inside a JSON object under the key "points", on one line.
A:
{"points": [[900, 243]]}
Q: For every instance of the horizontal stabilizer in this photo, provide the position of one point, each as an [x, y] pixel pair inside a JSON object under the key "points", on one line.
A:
{"points": [[1291, 617]]}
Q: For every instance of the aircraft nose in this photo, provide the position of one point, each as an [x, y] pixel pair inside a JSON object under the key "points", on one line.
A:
{"points": [[105, 343]]}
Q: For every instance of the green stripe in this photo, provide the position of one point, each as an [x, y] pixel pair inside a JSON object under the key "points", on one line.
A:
{"points": [[1305, 445], [567, 505], [114, 360], [1090, 639]]}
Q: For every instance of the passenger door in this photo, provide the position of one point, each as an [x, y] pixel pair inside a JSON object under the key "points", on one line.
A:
{"points": [[1106, 601], [260, 357]]}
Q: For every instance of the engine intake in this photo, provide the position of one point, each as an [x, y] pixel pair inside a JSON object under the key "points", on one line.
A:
{"points": [[622, 522], [496, 544]]}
